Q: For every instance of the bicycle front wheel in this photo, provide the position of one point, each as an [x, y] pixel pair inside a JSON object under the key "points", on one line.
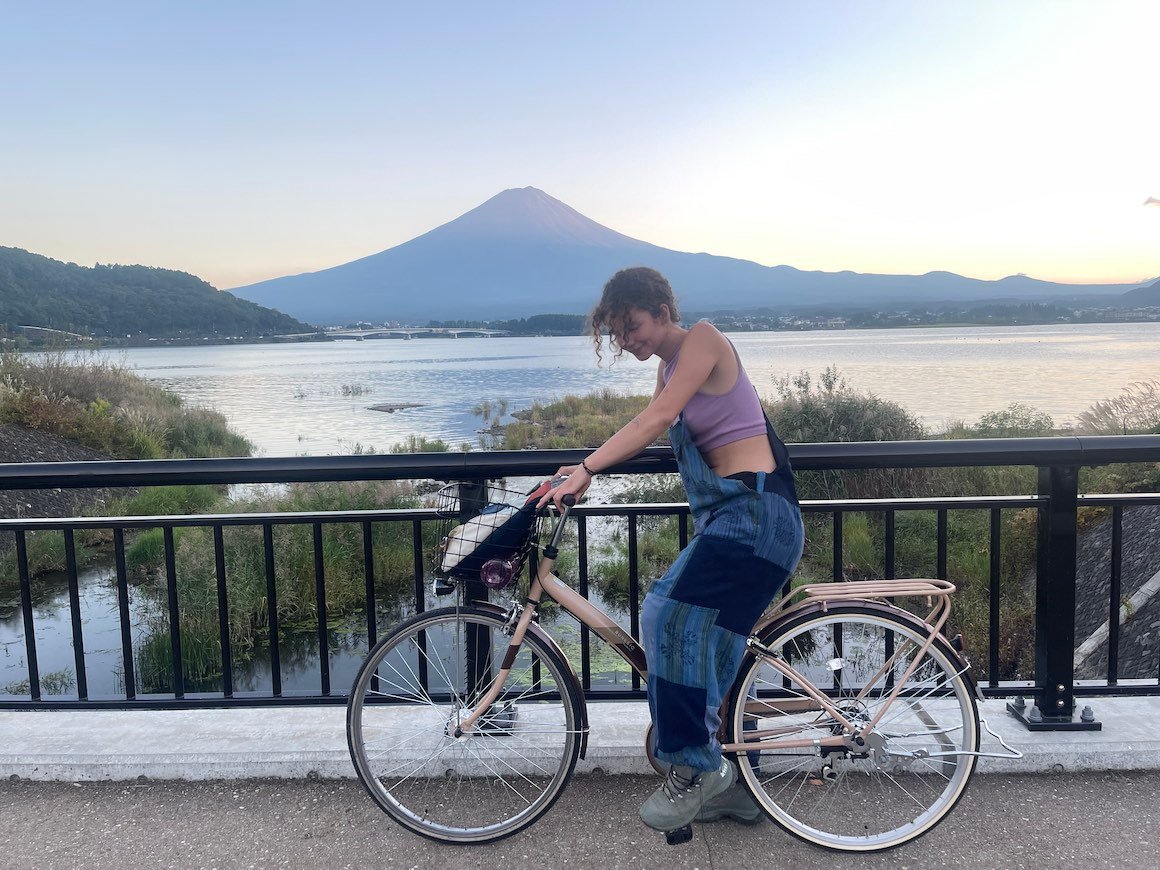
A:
{"points": [[408, 700], [913, 764]]}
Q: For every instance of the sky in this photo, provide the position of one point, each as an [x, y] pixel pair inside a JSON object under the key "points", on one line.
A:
{"points": [[248, 140]]}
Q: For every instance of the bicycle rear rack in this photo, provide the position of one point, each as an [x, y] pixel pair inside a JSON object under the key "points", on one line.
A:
{"points": [[936, 592]]}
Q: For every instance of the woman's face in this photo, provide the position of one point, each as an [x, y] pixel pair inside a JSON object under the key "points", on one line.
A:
{"points": [[642, 332]]}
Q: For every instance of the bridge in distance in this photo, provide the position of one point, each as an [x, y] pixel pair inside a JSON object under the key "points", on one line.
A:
{"points": [[409, 332]]}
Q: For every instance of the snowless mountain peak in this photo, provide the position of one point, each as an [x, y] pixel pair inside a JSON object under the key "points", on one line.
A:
{"points": [[529, 214], [524, 252]]}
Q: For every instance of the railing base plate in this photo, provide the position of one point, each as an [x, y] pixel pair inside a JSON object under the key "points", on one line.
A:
{"points": [[1034, 721]]}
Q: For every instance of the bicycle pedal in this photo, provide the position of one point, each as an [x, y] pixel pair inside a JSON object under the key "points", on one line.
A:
{"points": [[680, 835]]}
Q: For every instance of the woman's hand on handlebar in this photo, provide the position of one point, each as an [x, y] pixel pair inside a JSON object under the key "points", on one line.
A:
{"points": [[576, 483]]}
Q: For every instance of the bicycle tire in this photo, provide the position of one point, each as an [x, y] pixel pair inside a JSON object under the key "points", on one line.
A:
{"points": [[406, 701], [897, 790]]}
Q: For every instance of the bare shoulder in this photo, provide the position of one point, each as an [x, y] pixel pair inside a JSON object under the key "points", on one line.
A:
{"points": [[708, 338]]}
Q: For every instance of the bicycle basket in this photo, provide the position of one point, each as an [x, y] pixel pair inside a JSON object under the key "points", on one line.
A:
{"points": [[494, 523]]}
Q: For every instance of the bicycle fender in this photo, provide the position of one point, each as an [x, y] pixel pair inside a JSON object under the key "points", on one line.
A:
{"points": [[766, 630], [550, 642]]}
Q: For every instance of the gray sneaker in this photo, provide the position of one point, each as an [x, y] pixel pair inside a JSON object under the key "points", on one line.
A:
{"points": [[733, 803], [683, 794]]}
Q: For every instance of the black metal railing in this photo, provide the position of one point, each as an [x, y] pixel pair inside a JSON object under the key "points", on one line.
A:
{"points": [[1057, 504]]}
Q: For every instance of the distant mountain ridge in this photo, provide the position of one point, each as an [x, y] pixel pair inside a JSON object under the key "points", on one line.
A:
{"points": [[105, 301], [1142, 297], [523, 252]]}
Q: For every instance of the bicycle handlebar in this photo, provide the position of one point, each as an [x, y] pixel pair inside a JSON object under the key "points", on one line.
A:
{"points": [[569, 502]]}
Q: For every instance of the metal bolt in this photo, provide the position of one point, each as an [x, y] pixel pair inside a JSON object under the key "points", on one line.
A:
{"points": [[1061, 688], [1087, 715], [1020, 702], [1034, 715], [1060, 704]]}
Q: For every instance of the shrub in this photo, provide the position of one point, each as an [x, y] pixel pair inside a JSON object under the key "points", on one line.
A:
{"points": [[830, 410], [1017, 420]]}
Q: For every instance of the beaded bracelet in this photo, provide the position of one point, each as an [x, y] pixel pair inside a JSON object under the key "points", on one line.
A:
{"points": [[584, 465]]}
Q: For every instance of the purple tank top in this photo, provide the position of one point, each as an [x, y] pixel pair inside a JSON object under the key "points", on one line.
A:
{"points": [[714, 421]]}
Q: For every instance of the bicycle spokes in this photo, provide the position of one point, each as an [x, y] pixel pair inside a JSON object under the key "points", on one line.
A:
{"points": [[413, 751], [857, 733]]}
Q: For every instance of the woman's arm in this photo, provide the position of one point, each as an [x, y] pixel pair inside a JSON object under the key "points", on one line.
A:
{"points": [[703, 348]]}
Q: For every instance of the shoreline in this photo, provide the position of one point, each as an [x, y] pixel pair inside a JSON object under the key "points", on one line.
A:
{"points": [[322, 337]]}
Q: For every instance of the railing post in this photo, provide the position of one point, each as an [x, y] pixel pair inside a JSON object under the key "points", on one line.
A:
{"points": [[1055, 605], [478, 664]]}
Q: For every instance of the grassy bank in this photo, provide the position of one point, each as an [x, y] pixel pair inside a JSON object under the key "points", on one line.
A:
{"points": [[101, 404]]}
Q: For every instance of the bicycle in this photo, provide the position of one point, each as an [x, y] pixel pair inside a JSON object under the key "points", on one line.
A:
{"points": [[853, 722]]}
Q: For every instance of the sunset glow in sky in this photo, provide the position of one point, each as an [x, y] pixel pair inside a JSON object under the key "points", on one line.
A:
{"points": [[243, 141]]}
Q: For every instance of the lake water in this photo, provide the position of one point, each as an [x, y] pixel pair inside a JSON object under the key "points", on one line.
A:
{"points": [[314, 399]]}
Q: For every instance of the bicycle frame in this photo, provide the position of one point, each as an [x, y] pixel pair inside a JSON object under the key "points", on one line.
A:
{"points": [[818, 596], [581, 609]]}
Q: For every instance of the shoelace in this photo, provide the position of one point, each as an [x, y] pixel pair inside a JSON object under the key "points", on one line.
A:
{"points": [[676, 786]]}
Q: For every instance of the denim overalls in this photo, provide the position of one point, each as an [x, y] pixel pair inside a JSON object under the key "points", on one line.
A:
{"points": [[695, 619]]}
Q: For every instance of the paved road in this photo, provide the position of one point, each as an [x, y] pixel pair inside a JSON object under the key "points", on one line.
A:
{"points": [[1072, 820]]}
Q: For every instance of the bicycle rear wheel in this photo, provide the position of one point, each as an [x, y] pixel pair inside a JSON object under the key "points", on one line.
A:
{"points": [[914, 765], [408, 699]]}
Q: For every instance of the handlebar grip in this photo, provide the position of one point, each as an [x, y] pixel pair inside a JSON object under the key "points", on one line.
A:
{"points": [[569, 500]]}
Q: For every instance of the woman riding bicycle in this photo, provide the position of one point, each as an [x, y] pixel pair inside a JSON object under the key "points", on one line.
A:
{"points": [[748, 535]]}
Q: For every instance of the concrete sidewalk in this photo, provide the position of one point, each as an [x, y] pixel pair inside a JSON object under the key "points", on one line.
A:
{"points": [[311, 742], [1093, 821]]}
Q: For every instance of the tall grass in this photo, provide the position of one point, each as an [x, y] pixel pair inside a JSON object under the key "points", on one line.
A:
{"points": [[423, 444], [46, 553], [1136, 410], [249, 613]]}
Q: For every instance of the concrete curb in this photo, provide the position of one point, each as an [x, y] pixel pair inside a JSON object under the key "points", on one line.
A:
{"points": [[250, 743]]}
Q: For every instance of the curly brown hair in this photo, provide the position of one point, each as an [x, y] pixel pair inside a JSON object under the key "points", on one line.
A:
{"points": [[637, 287]]}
